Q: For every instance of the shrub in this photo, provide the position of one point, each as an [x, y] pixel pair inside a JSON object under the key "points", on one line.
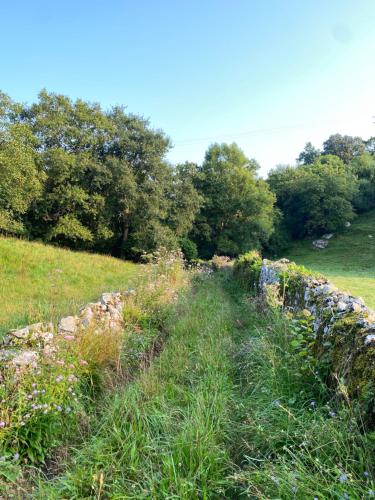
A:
{"points": [[247, 270]]}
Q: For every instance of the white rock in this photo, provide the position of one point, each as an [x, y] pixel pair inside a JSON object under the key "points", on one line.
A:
{"points": [[341, 306], [320, 244], [25, 358], [370, 339], [68, 324], [20, 333]]}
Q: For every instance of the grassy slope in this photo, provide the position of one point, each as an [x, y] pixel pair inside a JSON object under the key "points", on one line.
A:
{"points": [[348, 261], [39, 282], [202, 421]]}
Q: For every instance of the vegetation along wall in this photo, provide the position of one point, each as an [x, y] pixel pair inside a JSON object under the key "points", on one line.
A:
{"points": [[341, 329]]}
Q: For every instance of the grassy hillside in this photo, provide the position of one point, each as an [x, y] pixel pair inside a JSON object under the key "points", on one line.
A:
{"points": [[348, 261], [39, 282]]}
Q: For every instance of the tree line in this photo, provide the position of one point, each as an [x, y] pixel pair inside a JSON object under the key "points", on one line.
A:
{"points": [[79, 176]]}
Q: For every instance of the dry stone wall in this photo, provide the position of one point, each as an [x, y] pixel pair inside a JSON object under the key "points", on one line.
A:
{"points": [[23, 347], [343, 326]]}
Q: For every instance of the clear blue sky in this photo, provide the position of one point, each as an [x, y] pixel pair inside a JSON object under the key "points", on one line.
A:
{"points": [[269, 75]]}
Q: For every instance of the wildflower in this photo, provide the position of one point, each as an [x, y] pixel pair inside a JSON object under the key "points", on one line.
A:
{"points": [[82, 362], [2, 423], [69, 337], [343, 478], [59, 378], [366, 474], [2, 459], [33, 384], [68, 409], [58, 408], [332, 414], [276, 402], [16, 456], [313, 404]]}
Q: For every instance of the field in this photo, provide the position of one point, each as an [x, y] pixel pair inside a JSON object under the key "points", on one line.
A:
{"points": [[39, 282], [203, 394], [348, 261]]}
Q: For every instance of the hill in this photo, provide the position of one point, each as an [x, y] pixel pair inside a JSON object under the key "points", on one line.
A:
{"points": [[40, 282], [348, 261]]}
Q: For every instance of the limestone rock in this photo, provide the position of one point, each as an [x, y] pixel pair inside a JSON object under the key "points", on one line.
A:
{"points": [[68, 324], [25, 358], [320, 244]]}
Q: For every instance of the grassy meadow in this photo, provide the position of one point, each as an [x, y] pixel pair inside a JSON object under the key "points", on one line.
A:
{"points": [[40, 282], [348, 261]]}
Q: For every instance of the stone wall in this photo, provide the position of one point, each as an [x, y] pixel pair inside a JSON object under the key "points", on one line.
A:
{"points": [[24, 346], [343, 327]]}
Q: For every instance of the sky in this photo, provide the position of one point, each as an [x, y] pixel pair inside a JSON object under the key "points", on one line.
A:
{"points": [[269, 75]]}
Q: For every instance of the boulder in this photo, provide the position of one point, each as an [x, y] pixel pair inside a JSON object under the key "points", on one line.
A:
{"points": [[68, 324], [320, 244]]}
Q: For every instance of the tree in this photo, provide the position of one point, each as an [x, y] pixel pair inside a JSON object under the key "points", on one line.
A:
{"points": [[345, 147], [237, 212], [370, 146], [21, 182], [364, 168], [315, 198], [308, 155]]}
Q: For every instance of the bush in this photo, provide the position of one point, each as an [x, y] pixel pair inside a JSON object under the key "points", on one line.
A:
{"points": [[247, 270], [189, 249]]}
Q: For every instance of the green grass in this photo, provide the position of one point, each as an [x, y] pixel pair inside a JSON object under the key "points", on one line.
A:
{"points": [[228, 410], [348, 261], [40, 282]]}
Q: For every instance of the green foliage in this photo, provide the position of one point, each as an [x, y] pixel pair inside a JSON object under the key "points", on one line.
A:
{"points": [[309, 154], [20, 180], [189, 249], [315, 198], [237, 212], [91, 179], [247, 270], [344, 147], [364, 168]]}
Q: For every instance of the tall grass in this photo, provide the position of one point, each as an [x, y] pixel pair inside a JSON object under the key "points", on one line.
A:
{"points": [[294, 438], [164, 436]]}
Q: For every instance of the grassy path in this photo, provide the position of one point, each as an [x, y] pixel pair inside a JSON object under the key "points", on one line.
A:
{"points": [[223, 412]]}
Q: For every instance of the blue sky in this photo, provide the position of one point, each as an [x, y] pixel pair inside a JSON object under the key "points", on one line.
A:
{"points": [[269, 75]]}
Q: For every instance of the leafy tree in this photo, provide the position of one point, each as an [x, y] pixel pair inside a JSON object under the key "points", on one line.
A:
{"points": [[308, 155], [364, 168], [237, 212], [21, 182], [345, 147], [370, 146], [315, 198]]}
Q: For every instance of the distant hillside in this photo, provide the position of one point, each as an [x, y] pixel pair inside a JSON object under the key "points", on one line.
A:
{"points": [[349, 259], [40, 282]]}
